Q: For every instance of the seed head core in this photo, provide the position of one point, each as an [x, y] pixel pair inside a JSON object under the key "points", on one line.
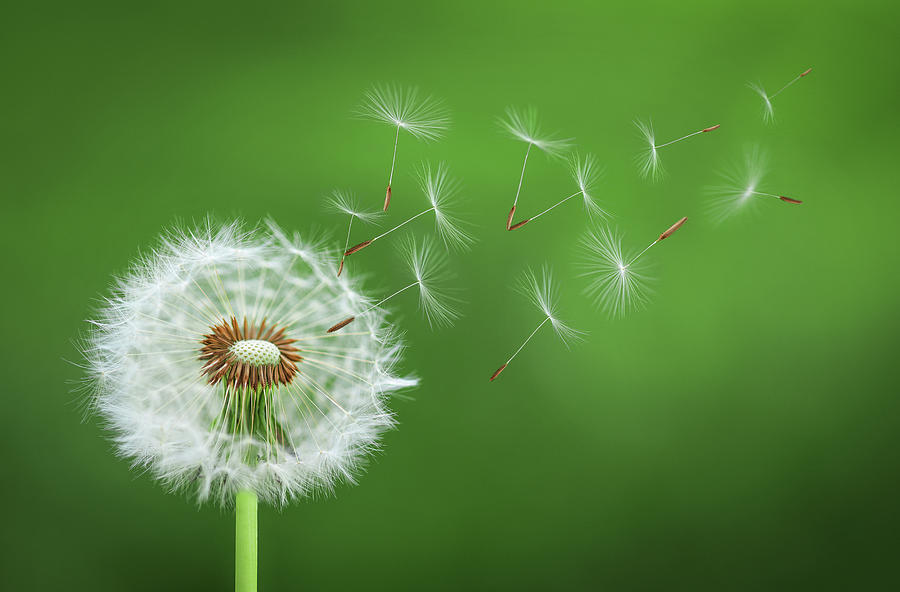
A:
{"points": [[244, 355], [256, 352]]}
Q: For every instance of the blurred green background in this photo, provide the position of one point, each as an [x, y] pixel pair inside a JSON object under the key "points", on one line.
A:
{"points": [[741, 433]]}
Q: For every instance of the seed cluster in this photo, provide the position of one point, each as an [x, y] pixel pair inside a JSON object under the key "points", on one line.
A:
{"points": [[244, 355]]}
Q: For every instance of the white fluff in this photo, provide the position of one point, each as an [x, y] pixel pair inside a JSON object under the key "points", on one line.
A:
{"points": [[142, 357]]}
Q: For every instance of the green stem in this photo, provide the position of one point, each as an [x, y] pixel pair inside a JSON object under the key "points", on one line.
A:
{"points": [[245, 542]]}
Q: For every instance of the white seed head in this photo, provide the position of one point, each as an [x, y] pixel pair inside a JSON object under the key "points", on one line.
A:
{"points": [[617, 285], [768, 110], [740, 182], [429, 266], [586, 173], [648, 160], [211, 367], [426, 118], [442, 193], [345, 202], [523, 125], [544, 294]]}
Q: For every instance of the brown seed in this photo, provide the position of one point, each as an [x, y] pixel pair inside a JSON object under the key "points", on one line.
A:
{"points": [[520, 224], [387, 198], [715, 127], [340, 325], [509, 218], [789, 199], [672, 229], [341, 267], [358, 247], [808, 70], [497, 372]]}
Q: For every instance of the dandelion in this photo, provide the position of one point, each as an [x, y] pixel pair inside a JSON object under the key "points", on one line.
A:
{"points": [[544, 294], [429, 268], [768, 110], [523, 125], [442, 192], [207, 366], [424, 118], [650, 165], [740, 188], [618, 284], [346, 203], [585, 172]]}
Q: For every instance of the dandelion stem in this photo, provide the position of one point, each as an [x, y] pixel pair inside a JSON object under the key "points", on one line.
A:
{"points": [[559, 203], [379, 303], [245, 538], [522, 176], [407, 221], [394, 158], [524, 343], [795, 79], [639, 255]]}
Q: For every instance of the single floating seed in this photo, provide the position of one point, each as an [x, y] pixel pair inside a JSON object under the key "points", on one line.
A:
{"points": [[715, 127], [789, 199], [520, 224], [387, 198], [497, 372], [509, 218], [341, 325], [356, 248], [341, 267], [672, 229]]}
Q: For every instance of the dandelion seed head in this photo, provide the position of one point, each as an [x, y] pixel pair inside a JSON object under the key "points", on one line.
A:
{"points": [[523, 125], [586, 173], [429, 266], [739, 186], [768, 110], [210, 365], [345, 202], [616, 284], [648, 160], [543, 292], [443, 192], [424, 117]]}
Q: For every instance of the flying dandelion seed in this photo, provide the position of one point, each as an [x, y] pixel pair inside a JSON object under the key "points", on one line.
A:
{"points": [[544, 294], [585, 172], [429, 268], [424, 118], [617, 282], [442, 192], [650, 165], [345, 203], [210, 367], [768, 109], [523, 125], [740, 188]]}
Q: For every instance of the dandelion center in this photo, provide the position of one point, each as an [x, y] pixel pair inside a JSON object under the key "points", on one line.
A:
{"points": [[248, 356], [256, 352]]}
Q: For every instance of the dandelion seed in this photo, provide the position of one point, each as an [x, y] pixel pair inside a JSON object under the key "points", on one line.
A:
{"points": [[429, 268], [768, 110], [425, 118], [650, 165], [346, 203], [203, 365], [544, 294], [585, 172], [523, 125], [740, 188], [617, 282], [442, 192]]}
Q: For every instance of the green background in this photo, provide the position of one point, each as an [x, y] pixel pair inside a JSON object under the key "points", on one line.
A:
{"points": [[740, 434]]}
